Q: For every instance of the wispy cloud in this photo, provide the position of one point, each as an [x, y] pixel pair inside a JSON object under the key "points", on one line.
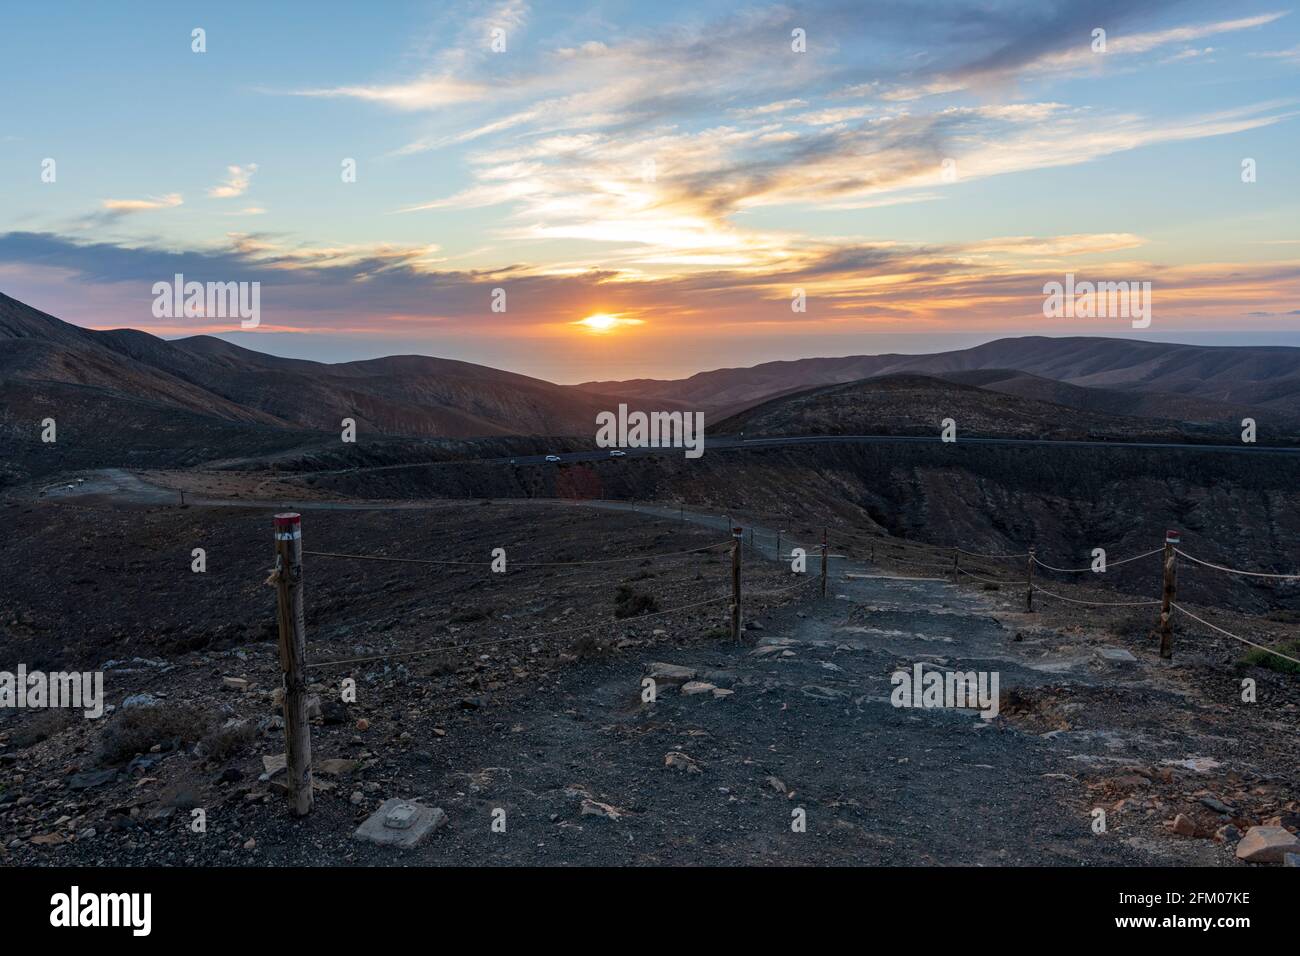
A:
{"points": [[1291, 55], [123, 206], [236, 182], [685, 167]]}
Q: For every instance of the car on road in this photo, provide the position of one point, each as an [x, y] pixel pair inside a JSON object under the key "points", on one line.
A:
{"points": [[552, 457], [616, 453]]}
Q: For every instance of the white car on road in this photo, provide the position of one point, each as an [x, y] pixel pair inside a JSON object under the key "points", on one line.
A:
{"points": [[617, 454], [552, 457]]}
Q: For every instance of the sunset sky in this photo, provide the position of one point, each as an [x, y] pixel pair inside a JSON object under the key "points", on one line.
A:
{"points": [[675, 169]]}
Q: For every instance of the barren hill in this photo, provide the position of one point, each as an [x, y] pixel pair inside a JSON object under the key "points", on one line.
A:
{"points": [[917, 404], [1263, 378], [407, 395]]}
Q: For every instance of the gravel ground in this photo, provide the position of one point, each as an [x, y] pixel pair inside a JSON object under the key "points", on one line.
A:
{"points": [[551, 733]]}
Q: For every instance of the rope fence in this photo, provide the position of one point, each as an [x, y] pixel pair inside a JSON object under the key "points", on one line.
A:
{"points": [[1062, 597], [287, 578], [1252, 574], [1235, 637], [1109, 564], [983, 579], [1166, 602]]}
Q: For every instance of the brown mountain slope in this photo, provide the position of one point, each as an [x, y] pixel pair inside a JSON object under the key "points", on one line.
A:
{"points": [[1259, 377], [1139, 404], [407, 395], [35, 347], [917, 405]]}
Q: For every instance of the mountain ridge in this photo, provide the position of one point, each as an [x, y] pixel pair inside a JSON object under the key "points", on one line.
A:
{"points": [[424, 396]]}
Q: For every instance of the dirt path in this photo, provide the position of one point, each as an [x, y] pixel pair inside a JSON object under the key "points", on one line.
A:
{"points": [[808, 726], [588, 772]]}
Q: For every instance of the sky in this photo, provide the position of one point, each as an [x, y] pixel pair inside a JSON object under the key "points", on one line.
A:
{"points": [[913, 174]]}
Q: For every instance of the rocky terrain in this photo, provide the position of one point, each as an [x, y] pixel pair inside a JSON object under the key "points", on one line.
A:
{"points": [[509, 706], [517, 699]]}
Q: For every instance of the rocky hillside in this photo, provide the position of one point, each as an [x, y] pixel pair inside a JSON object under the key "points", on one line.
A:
{"points": [[410, 395], [1265, 379], [917, 404]]}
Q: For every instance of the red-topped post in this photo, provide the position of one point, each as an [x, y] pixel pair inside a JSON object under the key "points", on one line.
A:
{"points": [[293, 659], [1168, 595]]}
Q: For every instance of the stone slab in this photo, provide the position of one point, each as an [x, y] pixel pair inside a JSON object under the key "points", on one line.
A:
{"points": [[401, 823]]}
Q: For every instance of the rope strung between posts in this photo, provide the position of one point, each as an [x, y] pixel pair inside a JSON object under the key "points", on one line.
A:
{"points": [[1243, 640], [882, 542], [987, 580], [516, 564], [1109, 564], [1252, 574], [544, 634], [910, 564], [1062, 597], [976, 554]]}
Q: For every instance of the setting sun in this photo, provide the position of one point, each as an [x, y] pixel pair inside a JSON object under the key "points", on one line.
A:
{"points": [[605, 322]]}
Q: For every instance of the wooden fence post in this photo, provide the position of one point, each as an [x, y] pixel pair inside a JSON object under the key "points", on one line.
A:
{"points": [[737, 535], [1029, 583], [293, 659], [1168, 595], [825, 554]]}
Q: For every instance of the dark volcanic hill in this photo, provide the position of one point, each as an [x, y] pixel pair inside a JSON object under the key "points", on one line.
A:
{"points": [[407, 395], [1107, 401], [918, 404], [1262, 379]]}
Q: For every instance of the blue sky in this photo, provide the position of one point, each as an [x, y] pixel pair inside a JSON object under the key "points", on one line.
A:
{"points": [[918, 170]]}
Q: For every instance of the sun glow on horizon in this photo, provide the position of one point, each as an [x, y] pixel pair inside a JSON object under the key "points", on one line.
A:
{"points": [[605, 322]]}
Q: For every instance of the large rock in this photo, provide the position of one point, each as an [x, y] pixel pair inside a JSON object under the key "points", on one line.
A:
{"points": [[401, 823], [681, 762], [1267, 845], [671, 673], [89, 779], [693, 687]]}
